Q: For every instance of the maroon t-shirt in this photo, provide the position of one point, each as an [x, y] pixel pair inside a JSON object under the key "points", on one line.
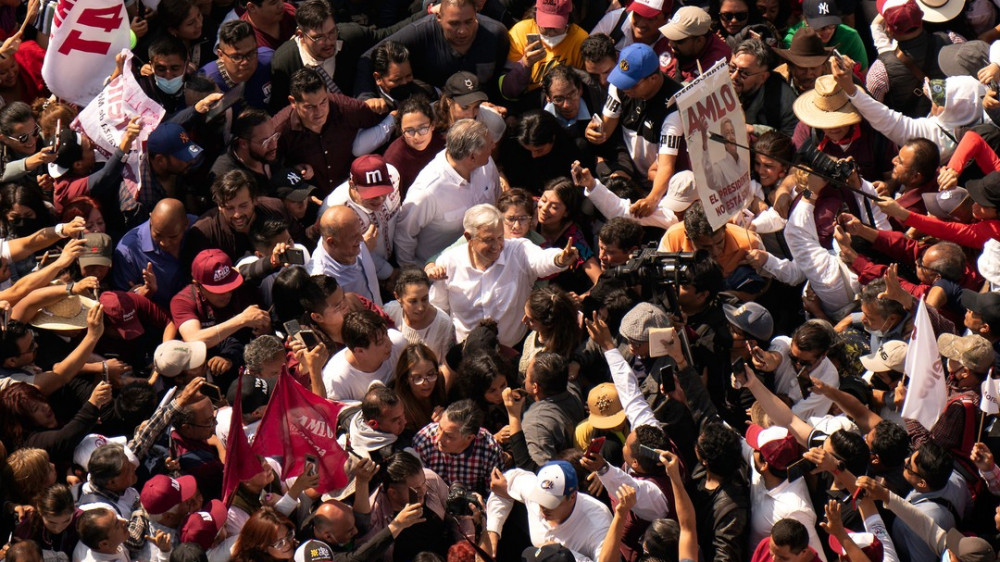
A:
{"points": [[409, 162]]}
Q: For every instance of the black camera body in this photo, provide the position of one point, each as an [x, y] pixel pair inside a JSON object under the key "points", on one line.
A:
{"points": [[824, 165], [458, 500], [648, 267]]}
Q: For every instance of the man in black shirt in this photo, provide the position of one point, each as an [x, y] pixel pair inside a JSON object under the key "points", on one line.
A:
{"points": [[253, 149]]}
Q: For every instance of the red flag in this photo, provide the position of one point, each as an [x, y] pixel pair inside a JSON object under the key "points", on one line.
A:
{"points": [[297, 423], [241, 461]]}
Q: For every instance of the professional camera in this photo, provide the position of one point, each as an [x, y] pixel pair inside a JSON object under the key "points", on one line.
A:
{"points": [[648, 267], [459, 499], [827, 167]]}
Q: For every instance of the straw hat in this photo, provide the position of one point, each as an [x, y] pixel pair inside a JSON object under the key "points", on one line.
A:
{"points": [[826, 106], [67, 314]]}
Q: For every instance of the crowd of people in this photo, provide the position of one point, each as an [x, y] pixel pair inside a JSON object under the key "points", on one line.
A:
{"points": [[473, 227]]}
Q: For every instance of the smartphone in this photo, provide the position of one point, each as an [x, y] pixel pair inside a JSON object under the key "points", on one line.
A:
{"points": [[805, 383], [739, 366], [312, 464], [228, 100], [6, 318], [594, 448], [598, 122], [308, 337], [800, 468], [576, 170], [667, 378], [413, 496], [211, 391], [519, 393], [649, 453], [293, 256], [534, 38], [55, 137], [840, 59], [292, 327], [842, 496]]}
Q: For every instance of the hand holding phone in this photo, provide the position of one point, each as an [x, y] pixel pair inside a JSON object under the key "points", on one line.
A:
{"points": [[211, 392], [594, 448], [649, 453]]}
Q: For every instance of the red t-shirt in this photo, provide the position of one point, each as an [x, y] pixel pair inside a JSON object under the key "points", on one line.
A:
{"points": [[285, 30], [763, 552]]}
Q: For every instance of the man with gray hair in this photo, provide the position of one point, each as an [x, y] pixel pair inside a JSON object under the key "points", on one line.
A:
{"points": [[264, 356], [492, 277], [460, 176], [765, 96], [111, 477]]}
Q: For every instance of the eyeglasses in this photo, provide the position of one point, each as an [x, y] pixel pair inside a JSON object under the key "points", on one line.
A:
{"points": [[269, 141], [24, 138], [920, 264], [733, 16], [211, 424], [743, 73], [421, 131], [240, 57], [519, 219], [561, 100], [807, 364], [421, 379], [323, 37], [911, 468], [284, 542]]}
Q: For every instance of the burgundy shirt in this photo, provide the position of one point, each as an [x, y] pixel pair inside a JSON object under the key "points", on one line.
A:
{"points": [[409, 162], [285, 30]]}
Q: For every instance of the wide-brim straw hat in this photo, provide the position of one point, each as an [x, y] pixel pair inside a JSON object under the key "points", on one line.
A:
{"points": [[826, 106], [68, 314]]}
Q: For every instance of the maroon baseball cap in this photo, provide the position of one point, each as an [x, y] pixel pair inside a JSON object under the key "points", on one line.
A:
{"points": [[553, 13], [901, 17], [161, 493], [214, 271], [120, 312], [371, 176], [775, 444], [202, 527]]}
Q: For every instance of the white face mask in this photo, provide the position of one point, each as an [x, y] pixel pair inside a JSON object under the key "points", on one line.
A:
{"points": [[551, 41]]}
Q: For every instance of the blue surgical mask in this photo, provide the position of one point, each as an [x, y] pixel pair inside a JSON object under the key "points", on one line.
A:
{"points": [[171, 86]]}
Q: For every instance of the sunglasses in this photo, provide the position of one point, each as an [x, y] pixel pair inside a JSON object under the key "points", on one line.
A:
{"points": [[24, 138], [734, 16], [800, 363]]}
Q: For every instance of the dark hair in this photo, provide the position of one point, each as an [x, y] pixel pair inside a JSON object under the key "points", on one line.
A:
{"points": [[813, 335], [616, 297], [199, 83], [536, 128], [312, 14], [319, 288], [478, 371], [23, 551], [376, 400], [718, 446], [776, 145], [758, 50], [234, 31], [790, 533], [25, 195], [14, 114], [934, 464], [564, 73], [389, 52], [168, 45], [891, 443], [623, 232], [926, 158], [246, 121], [654, 438], [705, 274], [660, 539], [411, 355], [226, 187], [570, 195], [10, 340], [135, 403], [89, 527], [885, 307], [466, 415], [262, 233], [171, 14], [410, 276], [516, 197], [15, 413], [287, 293], [413, 104], [106, 463], [57, 499], [852, 449], [305, 81], [555, 311], [598, 47], [362, 328], [188, 552], [623, 187], [550, 372], [696, 223], [400, 466]]}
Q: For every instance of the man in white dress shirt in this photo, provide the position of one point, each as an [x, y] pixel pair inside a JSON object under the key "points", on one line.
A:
{"points": [[460, 176], [102, 536], [491, 277], [343, 255]]}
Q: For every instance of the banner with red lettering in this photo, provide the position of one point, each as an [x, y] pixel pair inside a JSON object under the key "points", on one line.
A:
{"points": [[106, 117], [714, 125], [299, 423], [927, 392], [86, 35], [241, 461]]}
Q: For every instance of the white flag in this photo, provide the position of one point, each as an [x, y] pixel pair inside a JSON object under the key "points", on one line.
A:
{"points": [[86, 35], [990, 402], [927, 392]]}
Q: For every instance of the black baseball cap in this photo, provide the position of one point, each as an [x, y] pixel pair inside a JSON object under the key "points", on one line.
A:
{"points": [[986, 305], [985, 191]]}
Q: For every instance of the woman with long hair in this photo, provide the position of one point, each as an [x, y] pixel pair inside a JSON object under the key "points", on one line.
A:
{"points": [[483, 376], [551, 314], [27, 420], [267, 535], [23, 212], [558, 211], [420, 386]]}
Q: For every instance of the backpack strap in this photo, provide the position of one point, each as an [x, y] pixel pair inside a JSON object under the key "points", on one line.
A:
{"points": [[616, 31]]}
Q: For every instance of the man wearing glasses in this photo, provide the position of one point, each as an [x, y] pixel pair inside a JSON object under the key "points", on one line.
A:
{"points": [[795, 361], [766, 97], [253, 149], [315, 45], [242, 62]]}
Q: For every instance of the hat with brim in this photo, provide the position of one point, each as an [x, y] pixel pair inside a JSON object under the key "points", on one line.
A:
{"points": [[969, 549], [605, 407], [938, 11], [890, 356], [826, 106], [986, 190], [681, 192], [942, 204], [68, 314], [806, 49], [989, 261], [964, 59]]}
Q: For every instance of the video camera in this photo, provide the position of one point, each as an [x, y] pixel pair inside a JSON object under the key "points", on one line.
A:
{"points": [[654, 270]]}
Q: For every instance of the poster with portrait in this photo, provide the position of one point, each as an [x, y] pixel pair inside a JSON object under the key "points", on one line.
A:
{"points": [[714, 125]]}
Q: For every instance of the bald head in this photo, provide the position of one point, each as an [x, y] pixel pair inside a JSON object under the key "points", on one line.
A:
{"points": [[167, 224], [335, 218], [168, 210], [334, 523]]}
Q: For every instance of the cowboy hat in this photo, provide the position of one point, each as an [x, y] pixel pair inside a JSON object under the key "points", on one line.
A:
{"points": [[806, 49], [68, 314], [826, 106]]}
